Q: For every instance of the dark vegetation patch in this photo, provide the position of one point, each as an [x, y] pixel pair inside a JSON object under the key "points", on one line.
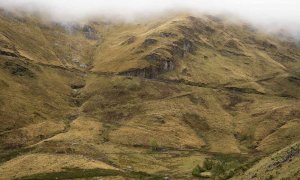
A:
{"points": [[199, 124], [73, 173], [130, 40], [225, 166], [7, 53], [243, 90], [197, 171], [107, 128], [234, 100], [154, 58], [76, 102], [175, 50], [233, 44], [119, 114], [72, 117], [78, 85], [149, 42], [283, 116], [282, 57], [198, 100], [167, 34], [286, 95], [186, 45], [246, 139], [10, 154], [288, 156], [295, 80], [17, 69]]}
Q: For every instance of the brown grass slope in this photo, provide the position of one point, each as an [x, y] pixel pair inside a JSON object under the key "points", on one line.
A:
{"points": [[143, 100]]}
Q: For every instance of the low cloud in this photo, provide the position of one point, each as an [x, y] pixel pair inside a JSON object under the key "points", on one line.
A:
{"points": [[268, 14]]}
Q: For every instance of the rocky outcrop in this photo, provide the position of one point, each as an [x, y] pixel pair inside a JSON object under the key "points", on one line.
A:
{"points": [[90, 32], [186, 46], [149, 42], [8, 53], [153, 70], [167, 35], [163, 63], [162, 58]]}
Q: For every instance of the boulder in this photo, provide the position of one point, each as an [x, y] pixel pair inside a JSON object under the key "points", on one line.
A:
{"points": [[206, 174]]}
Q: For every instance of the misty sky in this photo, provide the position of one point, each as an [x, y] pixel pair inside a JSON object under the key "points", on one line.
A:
{"points": [[267, 13]]}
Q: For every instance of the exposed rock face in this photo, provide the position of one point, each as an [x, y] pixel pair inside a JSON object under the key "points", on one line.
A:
{"points": [[149, 42], [185, 46], [163, 64], [162, 58], [167, 35], [8, 53], [153, 71], [153, 58], [168, 65], [89, 32]]}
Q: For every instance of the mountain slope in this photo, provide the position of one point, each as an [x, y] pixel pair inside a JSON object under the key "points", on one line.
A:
{"points": [[145, 100]]}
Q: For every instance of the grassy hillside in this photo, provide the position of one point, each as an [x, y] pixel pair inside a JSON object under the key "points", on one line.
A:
{"points": [[180, 97]]}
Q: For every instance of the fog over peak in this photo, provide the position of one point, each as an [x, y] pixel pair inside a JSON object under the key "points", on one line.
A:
{"points": [[269, 14]]}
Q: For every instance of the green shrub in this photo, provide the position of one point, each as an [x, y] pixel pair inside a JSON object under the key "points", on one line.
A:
{"points": [[219, 169], [197, 170], [208, 164], [229, 174], [270, 177]]}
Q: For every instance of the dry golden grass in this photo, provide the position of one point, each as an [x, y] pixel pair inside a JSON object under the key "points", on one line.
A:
{"points": [[41, 163], [232, 91], [280, 165]]}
